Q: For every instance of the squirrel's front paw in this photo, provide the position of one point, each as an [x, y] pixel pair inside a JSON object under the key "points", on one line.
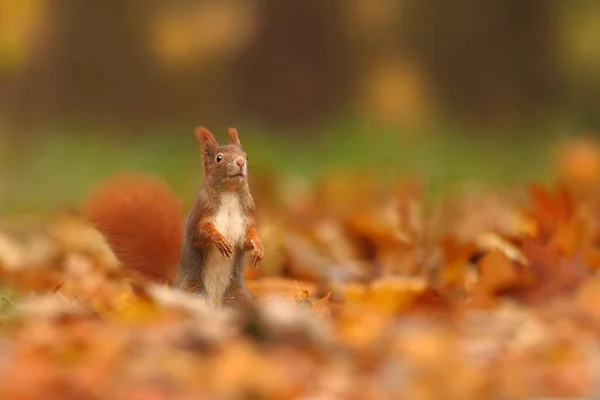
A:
{"points": [[224, 247], [258, 251]]}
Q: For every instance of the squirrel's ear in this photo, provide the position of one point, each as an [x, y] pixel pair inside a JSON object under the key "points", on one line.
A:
{"points": [[207, 139], [233, 134]]}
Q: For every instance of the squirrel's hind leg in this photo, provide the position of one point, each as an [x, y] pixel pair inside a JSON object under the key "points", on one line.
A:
{"points": [[237, 291], [192, 286]]}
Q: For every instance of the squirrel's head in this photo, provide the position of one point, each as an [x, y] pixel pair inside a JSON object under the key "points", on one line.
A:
{"points": [[225, 166]]}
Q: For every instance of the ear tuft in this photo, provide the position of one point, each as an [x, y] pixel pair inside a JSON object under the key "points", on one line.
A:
{"points": [[233, 134], [207, 139]]}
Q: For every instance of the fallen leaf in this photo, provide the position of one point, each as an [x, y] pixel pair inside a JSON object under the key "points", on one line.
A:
{"points": [[497, 272]]}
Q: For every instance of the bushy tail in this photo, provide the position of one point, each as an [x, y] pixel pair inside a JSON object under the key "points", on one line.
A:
{"points": [[142, 220]]}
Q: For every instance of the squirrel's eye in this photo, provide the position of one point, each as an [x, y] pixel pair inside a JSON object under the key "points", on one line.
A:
{"points": [[219, 158]]}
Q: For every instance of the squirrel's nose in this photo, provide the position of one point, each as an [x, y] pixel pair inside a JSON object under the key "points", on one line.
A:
{"points": [[239, 162]]}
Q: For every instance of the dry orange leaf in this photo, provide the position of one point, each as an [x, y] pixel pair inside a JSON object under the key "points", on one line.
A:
{"points": [[556, 274], [588, 297], [393, 294], [550, 210], [355, 293], [497, 272], [277, 285]]}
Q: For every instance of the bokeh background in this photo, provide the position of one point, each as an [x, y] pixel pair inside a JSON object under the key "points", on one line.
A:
{"points": [[450, 92]]}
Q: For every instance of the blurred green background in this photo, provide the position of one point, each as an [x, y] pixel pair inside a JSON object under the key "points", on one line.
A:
{"points": [[449, 91]]}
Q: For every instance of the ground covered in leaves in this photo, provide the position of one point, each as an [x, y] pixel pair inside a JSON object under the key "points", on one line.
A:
{"points": [[365, 292]]}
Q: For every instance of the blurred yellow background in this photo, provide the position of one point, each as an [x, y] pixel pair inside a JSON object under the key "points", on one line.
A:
{"points": [[287, 72]]}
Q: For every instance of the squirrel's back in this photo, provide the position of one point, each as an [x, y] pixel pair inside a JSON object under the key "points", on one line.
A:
{"points": [[142, 220]]}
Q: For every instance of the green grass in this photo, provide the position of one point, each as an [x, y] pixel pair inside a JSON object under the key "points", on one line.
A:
{"points": [[59, 169]]}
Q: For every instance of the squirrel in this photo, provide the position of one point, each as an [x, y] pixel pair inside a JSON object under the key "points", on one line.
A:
{"points": [[204, 254]]}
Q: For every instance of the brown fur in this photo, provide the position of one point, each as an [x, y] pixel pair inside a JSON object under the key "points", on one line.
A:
{"points": [[253, 241], [202, 236], [142, 221]]}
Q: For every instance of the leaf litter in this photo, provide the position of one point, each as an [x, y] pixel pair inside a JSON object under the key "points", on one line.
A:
{"points": [[362, 294]]}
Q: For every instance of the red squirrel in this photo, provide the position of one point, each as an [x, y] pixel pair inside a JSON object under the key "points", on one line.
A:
{"points": [[143, 223]]}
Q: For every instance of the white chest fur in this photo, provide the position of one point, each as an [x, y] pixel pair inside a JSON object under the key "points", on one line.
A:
{"points": [[229, 220]]}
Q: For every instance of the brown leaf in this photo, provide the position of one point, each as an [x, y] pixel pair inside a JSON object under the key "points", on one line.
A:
{"points": [[550, 210], [588, 297], [392, 294], [556, 275], [497, 272], [277, 285]]}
